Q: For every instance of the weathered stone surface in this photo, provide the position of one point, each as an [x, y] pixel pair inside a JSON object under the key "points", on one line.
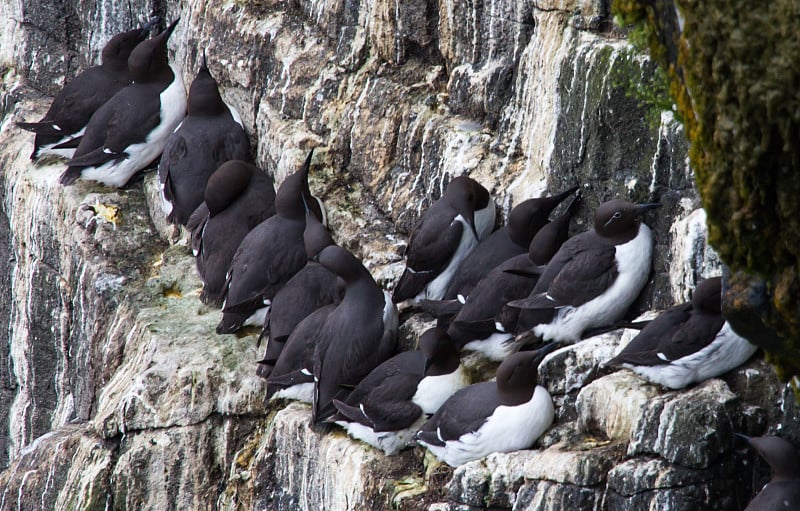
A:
{"points": [[294, 467], [585, 466], [691, 428], [573, 367], [694, 259], [613, 404], [491, 482], [548, 496], [74, 474], [178, 467], [655, 484]]}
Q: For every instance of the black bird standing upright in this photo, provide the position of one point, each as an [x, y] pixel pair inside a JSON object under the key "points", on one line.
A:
{"points": [[359, 334], [511, 240], [309, 289], [59, 131], [130, 130], [783, 490], [211, 134], [388, 405], [268, 256], [238, 196], [444, 235]]}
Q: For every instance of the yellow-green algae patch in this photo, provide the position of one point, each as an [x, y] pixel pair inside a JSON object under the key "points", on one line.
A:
{"points": [[734, 73]]}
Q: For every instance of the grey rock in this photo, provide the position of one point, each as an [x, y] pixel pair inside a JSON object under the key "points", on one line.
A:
{"points": [[575, 366], [691, 428], [490, 482], [655, 484], [549, 496], [613, 405]]}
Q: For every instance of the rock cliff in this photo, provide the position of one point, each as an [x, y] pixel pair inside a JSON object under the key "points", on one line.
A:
{"points": [[119, 395]]}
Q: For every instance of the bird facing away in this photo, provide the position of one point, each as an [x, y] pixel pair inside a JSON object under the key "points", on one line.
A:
{"points": [[359, 334], [687, 343], [595, 276], [210, 134], [59, 131], [312, 287], [291, 376], [783, 490], [389, 404], [268, 256], [511, 240], [238, 197], [130, 130], [442, 238], [501, 416]]}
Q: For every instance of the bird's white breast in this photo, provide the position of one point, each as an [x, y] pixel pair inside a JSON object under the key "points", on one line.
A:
{"points": [[433, 391], [509, 428], [727, 351], [436, 288], [634, 261]]}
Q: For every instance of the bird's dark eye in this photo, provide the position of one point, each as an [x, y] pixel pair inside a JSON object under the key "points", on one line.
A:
{"points": [[618, 214]]}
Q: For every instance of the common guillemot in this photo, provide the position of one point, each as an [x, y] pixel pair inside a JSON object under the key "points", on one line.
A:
{"points": [[442, 238], [688, 343], [130, 130], [210, 134], [268, 256], [389, 404], [783, 490], [237, 197], [59, 131], [511, 240], [595, 276], [359, 334], [501, 416]]}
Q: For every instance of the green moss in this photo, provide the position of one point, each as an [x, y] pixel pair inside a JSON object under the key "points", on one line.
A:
{"points": [[647, 86], [733, 73]]}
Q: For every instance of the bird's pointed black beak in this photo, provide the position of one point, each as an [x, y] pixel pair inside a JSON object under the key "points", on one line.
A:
{"points": [[558, 198], [542, 352], [168, 31], [642, 208]]}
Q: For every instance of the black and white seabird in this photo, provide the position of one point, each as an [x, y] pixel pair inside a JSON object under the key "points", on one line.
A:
{"points": [[511, 240], [211, 134], [238, 197], [595, 276], [783, 490], [59, 131], [390, 403], [357, 336], [312, 287], [485, 323], [443, 237], [500, 416], [130, 130], [268, 256], [292, 376], [688, 343]]}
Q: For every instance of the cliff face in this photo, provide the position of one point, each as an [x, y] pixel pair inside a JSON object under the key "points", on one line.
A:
{"points": [[118, 393]]}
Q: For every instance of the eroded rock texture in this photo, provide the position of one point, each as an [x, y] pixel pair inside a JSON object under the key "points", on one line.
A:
{"points": [[118, 393]]}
